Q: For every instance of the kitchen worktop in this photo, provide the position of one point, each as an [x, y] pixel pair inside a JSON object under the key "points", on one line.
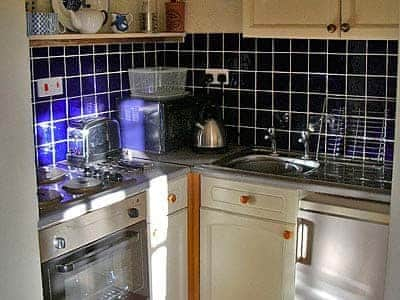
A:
{"points": [[337, 178], [334, 177], [81, 206]]}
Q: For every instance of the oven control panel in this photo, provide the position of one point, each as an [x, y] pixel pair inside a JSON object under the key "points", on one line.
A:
{"points": [[76, 233]]}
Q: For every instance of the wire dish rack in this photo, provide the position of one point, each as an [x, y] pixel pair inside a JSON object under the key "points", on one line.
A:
{"points": [[351, 130]]}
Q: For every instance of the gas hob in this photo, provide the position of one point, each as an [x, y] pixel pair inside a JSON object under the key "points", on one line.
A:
{"points": [[71, 183]]}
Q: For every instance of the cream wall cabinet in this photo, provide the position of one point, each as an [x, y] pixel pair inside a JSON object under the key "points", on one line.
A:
{"points": [[347, 19], [370, 19]]}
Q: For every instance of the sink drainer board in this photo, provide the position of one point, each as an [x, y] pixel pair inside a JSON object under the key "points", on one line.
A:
{"points": [[353, 131]]}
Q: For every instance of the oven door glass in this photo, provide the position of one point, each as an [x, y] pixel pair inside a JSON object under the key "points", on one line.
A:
{"points": [[114, 267]]}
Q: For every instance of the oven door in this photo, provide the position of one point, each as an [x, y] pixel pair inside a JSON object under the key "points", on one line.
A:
{"points": [[114, 267]]}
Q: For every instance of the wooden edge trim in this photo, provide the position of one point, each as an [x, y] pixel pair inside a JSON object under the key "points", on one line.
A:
{"points": [[75, 42], [194, 236]]}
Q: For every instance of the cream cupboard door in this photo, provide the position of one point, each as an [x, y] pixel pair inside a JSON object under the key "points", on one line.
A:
{"points": [[291, 18], [168, 257], [245, 258], [370, 19]]}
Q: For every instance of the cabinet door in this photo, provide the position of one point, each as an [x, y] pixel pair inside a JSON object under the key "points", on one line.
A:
{"points": [[168, 257], [291, 18], [245, 258], [370, 19]]}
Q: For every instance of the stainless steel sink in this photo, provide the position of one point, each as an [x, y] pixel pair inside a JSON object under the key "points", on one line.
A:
{"points": [[260, 161]]}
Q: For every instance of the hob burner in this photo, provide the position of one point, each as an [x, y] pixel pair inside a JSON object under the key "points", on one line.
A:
{"points": [[49, 199], [82, 185], [142, 166], [48, 175]]}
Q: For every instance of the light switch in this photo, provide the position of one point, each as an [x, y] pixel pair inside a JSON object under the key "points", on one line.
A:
{"points": [[50, 87]]}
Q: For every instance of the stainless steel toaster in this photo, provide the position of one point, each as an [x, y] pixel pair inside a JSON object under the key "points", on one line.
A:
{"points": [[92, 139]]}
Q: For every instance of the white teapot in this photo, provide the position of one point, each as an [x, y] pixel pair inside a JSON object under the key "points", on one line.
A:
{"points": [[88, 20]]}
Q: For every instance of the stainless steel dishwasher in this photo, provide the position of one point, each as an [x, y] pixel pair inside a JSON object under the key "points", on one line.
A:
{"points": [[340, 258]]}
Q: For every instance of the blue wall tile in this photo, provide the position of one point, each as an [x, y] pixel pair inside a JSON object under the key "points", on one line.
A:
{"points": [[102, 103], [114, 82], [89, 105], [57, 67], [42, 110], [270, 80], [40, 68], [74, 107], [61, 150], [45, 155], [40, 52], [72, 66], [86, 64], [56, 51], [71, 50], [87, 85], [100, 62], [101, 83], [60, 131], [87, 89], [73, 87], [44, 133]]}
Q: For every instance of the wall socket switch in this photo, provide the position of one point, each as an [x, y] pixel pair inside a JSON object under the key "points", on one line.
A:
{"points": [[50, 87], [216, 72]]}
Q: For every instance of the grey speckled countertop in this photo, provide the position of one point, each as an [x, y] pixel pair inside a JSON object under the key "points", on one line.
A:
{"points": [[333, 177], [185, 156]]}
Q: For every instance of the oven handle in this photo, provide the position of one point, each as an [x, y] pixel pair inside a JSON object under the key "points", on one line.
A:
{"points": [[69, 267], [65, 268]]}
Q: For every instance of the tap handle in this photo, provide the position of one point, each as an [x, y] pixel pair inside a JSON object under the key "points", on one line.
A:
{"points": [[271, 134], [271, 131], [305, 136]]}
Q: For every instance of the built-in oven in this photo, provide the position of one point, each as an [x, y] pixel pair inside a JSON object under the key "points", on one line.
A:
{"points": [[100, 255]]}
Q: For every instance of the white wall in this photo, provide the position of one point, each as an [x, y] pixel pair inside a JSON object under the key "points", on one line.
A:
{"points": [[19, 251], [213, 16], [392, 291]]}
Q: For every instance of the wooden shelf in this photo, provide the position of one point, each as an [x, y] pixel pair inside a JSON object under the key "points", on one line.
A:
{"points": [[102, 38]]}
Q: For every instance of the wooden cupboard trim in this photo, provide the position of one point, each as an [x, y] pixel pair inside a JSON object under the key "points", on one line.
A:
{"points": [[103, 38], [194, 188], [371, 32]]}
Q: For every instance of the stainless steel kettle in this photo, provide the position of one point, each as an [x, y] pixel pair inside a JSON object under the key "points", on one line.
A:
{"points": [[209, 135]]}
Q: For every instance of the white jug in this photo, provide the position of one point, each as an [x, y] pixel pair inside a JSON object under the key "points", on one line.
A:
{"points": [[88, 20]]}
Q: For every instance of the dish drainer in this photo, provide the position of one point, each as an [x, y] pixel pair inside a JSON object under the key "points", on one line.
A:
{"points": [[351, 131]]}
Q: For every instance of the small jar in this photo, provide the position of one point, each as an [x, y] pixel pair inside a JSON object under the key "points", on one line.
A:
{"points": [[175, 16]]}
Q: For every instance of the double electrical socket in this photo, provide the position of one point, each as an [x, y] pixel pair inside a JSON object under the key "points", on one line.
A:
{"points": [[215, 73], [47, 87]]}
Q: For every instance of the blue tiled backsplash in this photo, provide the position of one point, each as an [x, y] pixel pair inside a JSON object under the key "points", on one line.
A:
{"points": [[287, 84]]}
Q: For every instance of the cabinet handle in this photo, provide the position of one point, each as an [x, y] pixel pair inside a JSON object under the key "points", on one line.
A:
{"points": [[244, 199], [345, 27], [171, 198], [287, 234], [331, 28]]}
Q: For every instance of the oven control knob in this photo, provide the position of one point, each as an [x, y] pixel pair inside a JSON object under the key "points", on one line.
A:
{"points": [[59, 243], [87, 172], [133, 212], [118, 177]]}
